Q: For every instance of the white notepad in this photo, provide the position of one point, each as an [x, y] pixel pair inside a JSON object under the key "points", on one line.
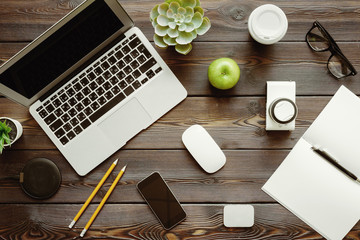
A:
{"points": [[309, 186]]}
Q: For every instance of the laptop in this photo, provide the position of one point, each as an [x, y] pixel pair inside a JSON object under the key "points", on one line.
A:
{"points": [[92, 82]]}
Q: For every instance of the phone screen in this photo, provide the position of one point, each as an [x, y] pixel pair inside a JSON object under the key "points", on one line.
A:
{"points": [[161, 200]]}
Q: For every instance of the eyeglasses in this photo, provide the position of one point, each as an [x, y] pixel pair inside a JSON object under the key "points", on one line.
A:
{"points": [[320, 40]]}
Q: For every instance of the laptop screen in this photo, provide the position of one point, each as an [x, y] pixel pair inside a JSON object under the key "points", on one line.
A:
{"points": [[62, 49]]}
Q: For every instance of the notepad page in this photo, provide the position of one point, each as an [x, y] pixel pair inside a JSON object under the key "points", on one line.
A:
{"points": [[337, 129], [316, 192]]}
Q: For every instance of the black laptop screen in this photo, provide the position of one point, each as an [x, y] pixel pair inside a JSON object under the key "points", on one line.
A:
{"points": [[62, 49]]}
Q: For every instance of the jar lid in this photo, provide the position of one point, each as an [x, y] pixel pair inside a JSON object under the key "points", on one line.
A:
{"points": [[268, 24]]}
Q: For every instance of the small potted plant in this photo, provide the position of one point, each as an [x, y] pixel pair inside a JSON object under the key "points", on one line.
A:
{"points": [[10, 131]]}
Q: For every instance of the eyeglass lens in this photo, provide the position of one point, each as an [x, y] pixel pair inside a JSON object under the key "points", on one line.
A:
{"points": [[317, 40], [338, 67]]}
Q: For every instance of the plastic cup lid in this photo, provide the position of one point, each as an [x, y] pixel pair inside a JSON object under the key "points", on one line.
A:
{"points": [[268, 24]]}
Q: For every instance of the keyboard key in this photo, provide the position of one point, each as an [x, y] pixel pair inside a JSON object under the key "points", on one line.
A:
{"points": [[89, 69], [86, 101], [134, 43], [107, 75], [88, 111], [39, 108], [141, 59], [96, 64], [150, 74], [79, 107], [72, 112], [129, 79], [134, 64], [108, 95], [47, 102], [136, 84], [84, 82], [125, 42], [58, 112], [82, 75], [141, 48], [100, 80], [103, 59], [107, 86], [67, 127], [99, 91], [79, 96], [112, 60], [119, 55], [151, 62], [59, 133], [95, 106], [128, 90], [43, 113], [70, 92], [61, 91], [85, 124], [127, 59], [74, 122], [125, 49], [50, 119], [104, 109], [77, 87], [136, 74], [72, 101], [102, 100], [93, 85], [81, 116], [50, 108], [144, 80], [86, 90], [91, 76], [65, 117], [158, 70], [110, 53], [75, 81], [105, 66], [132, 36], [55, 125], [114, 81], [57, 103], [121, 75], [123, 84], [65, 107], [128, 70], [64, 140], [115, 90], [92, 97], [71, 135], [134, 54], [98, 71], [113, 69], [121, 64], [77, 130]]}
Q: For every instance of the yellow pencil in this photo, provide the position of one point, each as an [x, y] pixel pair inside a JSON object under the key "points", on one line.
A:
{"points": [[113, 185], [92, 195]]}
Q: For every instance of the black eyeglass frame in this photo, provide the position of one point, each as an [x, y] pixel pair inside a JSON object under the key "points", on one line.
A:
{"points": [[333, 48]]}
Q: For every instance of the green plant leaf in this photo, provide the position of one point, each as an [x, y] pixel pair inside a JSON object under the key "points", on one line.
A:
{"points": [[172, 25], [189, 3], [184, 38], [162, 8], [189, 27], [197, 20], [1, 145], [199, 10], [181, 11], [159, 41], [189, 11], [154, 12], [6, 138], [170, 13], [160, 30], [197, 3], [183, 49], [169, 40], [173, 33], [182, 27], [174, 6], [205, 26], [162, 20]]}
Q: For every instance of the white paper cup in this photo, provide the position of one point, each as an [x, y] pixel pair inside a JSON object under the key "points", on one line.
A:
{"points": [[267, 24]]}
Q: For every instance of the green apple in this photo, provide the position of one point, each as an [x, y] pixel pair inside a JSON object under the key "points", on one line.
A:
{"points": [[223, 73]]}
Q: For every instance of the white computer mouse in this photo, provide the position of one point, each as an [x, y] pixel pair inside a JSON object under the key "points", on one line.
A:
{"points": [[203, 148]]}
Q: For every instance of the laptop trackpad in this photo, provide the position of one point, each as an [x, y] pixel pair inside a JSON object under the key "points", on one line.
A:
{"points": [[126, 122]]}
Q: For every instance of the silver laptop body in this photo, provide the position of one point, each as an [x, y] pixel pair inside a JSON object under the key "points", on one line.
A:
{"points": [[90, 105]]}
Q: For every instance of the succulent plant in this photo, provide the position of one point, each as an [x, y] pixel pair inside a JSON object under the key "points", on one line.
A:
{"points": [[177, 23], [4, 135]]}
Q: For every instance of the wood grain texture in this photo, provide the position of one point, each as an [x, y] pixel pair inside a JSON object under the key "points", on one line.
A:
{"points": [[25, 20], [128, 221]]}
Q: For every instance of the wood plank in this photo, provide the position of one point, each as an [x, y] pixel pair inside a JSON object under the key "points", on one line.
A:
{"points": [[258, 63], [23, 20], [129, 221], [240, 180], [235, 123]]}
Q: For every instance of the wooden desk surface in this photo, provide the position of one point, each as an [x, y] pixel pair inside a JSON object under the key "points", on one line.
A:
{"points": [[235, 118]]}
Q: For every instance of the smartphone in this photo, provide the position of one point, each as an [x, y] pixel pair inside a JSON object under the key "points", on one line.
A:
{"points": [[161, 200]]}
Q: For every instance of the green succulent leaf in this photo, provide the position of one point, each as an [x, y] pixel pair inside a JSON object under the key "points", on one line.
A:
{"points": [[162, 8], [181, 11], [170, 13], [199, 10], [172, 25], [159, 41], [182, 27], [154, 22], [197, 20], [169, 40], [1, 145], [174, 6], [163, 20], [205, 26], [172, 32], [6, 138], [184, 38], [189, 27], [188, 19], [154, 12], [197, 3], [189, 3], [189, 11], [160, 30], [183, 49]]}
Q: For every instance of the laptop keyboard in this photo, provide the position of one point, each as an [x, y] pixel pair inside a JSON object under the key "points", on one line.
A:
{"points": [[107, 81]]}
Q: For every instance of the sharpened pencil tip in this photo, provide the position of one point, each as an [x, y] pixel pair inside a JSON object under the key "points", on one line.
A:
{"points": [[116, 161], [123, 169]]}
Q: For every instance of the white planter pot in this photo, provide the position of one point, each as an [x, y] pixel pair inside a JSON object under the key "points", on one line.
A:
{"points": [[19, 129]]}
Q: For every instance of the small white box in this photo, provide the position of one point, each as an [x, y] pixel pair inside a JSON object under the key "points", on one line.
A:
{"points": [[238, 215], [280, 100]]}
